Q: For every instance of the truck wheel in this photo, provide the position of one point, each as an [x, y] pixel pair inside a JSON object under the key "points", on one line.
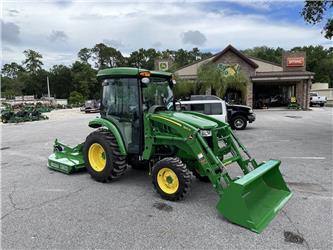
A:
{"points": [[102, 156], [238, 122], [321, 104], [171, 179]]}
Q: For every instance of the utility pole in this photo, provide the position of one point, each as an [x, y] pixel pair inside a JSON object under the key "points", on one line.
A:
{"points": [[48, 87]]}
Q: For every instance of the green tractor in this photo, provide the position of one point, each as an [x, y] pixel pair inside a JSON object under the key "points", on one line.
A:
{"points": [[140, 126]]}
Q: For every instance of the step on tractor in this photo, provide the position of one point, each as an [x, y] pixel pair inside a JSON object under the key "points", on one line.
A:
{"points": [[141, 126]]}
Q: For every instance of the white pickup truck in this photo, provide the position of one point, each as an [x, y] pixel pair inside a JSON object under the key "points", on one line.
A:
{"points": [[316, 99]]}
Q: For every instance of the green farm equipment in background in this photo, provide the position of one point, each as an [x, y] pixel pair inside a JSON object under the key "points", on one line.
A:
{"points": [[24, 113], [293, 103], [140, 126]]}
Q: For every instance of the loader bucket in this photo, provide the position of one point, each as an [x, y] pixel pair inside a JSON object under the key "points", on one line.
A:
{"points": [[253, 200]]}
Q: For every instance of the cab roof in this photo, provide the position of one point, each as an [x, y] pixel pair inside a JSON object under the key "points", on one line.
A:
{"points": [[127, 71]]}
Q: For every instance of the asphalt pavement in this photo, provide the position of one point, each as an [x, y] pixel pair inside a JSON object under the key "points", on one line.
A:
{"points": [[44, 209]]}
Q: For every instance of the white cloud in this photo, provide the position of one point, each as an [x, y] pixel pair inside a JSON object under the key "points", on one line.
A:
{"points": [[114, 43], [130, 26], [10, 32], [58, 36], [255, 4], [193, 37]]}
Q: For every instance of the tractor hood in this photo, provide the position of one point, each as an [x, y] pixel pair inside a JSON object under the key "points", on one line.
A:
{"points": [[191, 119]]}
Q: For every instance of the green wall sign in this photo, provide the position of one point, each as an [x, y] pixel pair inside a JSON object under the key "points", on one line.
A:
{"points": [[229, 69], [163, 66]]}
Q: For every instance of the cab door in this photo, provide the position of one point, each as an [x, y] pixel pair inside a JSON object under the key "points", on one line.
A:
{"points": [[121, 105]]}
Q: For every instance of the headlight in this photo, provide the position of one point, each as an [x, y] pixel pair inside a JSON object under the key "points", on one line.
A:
{"points": [[251, 111], [205, 133]]}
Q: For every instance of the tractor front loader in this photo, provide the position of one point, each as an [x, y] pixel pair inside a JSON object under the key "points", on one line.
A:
{"points": [[140, 126]]}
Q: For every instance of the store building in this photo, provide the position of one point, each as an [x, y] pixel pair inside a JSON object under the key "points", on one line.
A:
{"points": [[269, 84]]}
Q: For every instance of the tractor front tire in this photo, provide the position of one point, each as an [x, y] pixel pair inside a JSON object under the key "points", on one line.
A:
{"points": [[171, 179], [102, 156]]}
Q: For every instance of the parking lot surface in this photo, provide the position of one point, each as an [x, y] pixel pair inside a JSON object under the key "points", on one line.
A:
{"points": [[46, 209]]}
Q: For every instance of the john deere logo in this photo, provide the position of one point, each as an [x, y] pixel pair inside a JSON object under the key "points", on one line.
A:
{"points": [[163, 66], [229, 69]]}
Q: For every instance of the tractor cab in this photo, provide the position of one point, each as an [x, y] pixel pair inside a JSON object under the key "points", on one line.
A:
{"points": [[128, 93]]}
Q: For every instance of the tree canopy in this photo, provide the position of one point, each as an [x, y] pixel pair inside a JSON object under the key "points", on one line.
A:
{"points": [[33, 62], [315, 12]]}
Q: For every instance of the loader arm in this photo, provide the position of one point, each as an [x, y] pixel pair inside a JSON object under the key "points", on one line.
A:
{"points": [[251, 201]]}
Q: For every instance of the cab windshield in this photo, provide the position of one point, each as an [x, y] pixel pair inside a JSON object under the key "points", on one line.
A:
{"points": [[157, 92]]}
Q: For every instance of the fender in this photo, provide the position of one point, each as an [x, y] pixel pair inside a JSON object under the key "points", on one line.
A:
{"points": [[100, 122]]}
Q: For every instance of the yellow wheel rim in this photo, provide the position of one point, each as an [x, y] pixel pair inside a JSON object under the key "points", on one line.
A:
{"points": [[167, 180], [96, 156]]}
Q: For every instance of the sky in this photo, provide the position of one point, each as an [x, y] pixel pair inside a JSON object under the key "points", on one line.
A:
{"points": [[58, 29]]}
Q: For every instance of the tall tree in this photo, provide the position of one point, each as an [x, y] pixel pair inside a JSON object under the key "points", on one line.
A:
{"points": [[11, 87], [35, 84], [143, 58], [84, 80], [11, 70], [84, 55], [183, 57], [314, 12], [106, 57], [61, 81], [33, 61]]}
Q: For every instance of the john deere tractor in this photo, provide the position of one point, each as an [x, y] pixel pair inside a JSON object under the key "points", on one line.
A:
{"points": [[140, 126]]}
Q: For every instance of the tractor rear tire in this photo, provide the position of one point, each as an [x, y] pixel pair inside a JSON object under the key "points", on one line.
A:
{"points": [[102, 156], [171, 179]]}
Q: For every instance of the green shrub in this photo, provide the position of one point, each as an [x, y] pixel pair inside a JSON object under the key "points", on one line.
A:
{"points": [[76, 99]]}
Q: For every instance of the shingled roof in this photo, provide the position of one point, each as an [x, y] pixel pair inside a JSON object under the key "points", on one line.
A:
{"points": [[238, 53]]}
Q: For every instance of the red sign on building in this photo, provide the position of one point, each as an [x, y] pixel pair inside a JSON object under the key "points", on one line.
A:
{"points": [[295, 61]]}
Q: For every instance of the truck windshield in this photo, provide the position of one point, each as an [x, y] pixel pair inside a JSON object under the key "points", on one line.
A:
{"points": [[157, 92]]}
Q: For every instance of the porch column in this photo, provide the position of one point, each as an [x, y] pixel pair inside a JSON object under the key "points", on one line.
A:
{"points": [[299, 93], [249, 94]]}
